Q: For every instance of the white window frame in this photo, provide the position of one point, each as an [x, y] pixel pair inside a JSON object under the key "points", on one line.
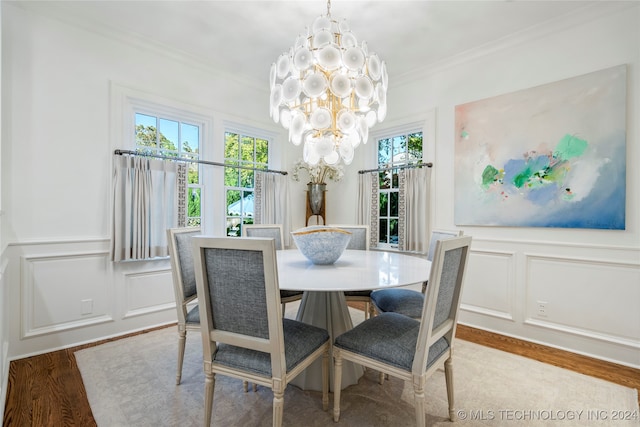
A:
{"points": [[253, 132], [428, 134], [126, 102], [180, 119]]}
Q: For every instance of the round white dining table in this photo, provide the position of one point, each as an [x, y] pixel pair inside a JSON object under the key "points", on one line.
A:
{"points": [[324, 304]]}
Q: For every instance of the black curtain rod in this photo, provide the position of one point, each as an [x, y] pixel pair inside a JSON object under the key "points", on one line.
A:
{"points": [[417, 165], [204, 162]]}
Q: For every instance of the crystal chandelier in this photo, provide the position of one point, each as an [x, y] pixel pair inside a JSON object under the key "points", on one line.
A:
{"points": [[328, 91]]}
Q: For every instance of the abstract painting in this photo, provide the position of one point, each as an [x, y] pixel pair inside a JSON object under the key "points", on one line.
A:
{"points": [[548, 156]]}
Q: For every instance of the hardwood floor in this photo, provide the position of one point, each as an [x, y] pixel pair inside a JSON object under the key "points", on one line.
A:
{"points": [[47, 390]]}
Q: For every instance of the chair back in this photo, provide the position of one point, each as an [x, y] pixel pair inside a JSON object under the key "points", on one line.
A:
{"points": [[273, 231], [440, 235], [442, 300], [238, 296], [359, 236], [182, 267]]}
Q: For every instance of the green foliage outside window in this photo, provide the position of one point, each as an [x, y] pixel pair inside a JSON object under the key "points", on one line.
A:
{"points": [[248, 152], [400, 150]]}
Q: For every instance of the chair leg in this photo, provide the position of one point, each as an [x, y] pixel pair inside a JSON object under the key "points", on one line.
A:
{"points": [[448, 375], [366, 310], [245, 386], [337, 383], [209, 384], [278, 402], [382, 377], [418, 397], [182, 335], [325, 380]]}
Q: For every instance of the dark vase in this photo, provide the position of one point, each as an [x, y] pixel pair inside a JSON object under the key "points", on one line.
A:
{"points": [[316, 197]]}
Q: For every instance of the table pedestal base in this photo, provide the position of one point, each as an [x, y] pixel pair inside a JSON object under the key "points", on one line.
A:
{"points": [[326, 310]]}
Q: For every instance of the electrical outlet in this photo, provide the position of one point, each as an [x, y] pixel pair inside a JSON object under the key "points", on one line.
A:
{"points": [[542, 308], [87, 306]]}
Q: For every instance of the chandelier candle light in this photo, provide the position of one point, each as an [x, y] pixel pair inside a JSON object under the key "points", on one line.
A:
{"points": [[328, 91]]}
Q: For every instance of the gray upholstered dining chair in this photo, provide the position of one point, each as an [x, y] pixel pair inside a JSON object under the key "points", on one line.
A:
{"points": [[243, 332], [407, 348], [184, 286], [359, 241], [273, 231], [408, 301]]}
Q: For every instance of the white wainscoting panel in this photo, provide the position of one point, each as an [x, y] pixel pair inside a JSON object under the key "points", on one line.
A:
{"points": [[590, 297], [488, 283], [148, 292], [64, 291]]}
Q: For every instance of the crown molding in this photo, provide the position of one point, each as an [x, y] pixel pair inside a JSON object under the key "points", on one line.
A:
{"points": [[588, 13], [64, 12]]}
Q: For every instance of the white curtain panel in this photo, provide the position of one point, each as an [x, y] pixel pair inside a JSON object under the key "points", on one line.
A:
{"points": [[367, 207], [272, 202], [417, 182], [145, 204]]}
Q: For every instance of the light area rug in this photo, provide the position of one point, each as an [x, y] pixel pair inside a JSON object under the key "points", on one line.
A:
{"points": [[131, 382]]}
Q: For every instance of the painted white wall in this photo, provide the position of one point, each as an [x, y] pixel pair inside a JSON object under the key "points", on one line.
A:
{"points": [[65, 87], [4, 330], [58, 141], [590, 279]]}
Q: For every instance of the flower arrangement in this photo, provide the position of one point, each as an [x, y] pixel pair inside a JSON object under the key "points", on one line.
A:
{"points": [[318, 173]]}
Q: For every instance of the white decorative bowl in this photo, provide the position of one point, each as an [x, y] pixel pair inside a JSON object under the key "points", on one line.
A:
{"points": [[321, 245]]}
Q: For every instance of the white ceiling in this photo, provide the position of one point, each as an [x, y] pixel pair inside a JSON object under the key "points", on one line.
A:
{"points": [[243, 38]]}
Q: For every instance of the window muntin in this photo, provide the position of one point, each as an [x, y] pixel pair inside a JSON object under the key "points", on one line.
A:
{"points": [[246, 151], [173, 137], [399, 150]]}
